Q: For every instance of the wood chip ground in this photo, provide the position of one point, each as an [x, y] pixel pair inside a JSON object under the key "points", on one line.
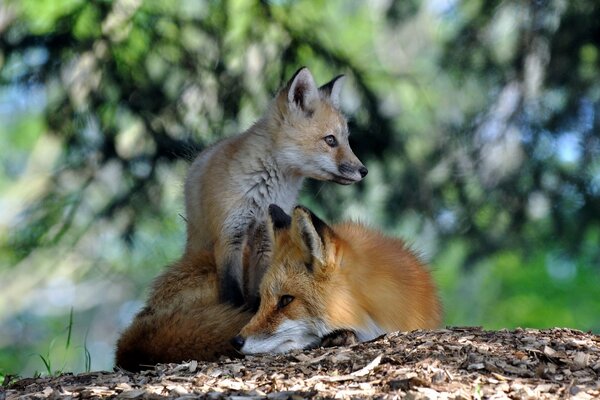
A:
{"points": [[454, 363]]}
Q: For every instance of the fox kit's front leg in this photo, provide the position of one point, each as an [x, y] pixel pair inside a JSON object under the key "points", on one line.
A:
{"points": [[259, 256], [229, 259], [236, 288]]}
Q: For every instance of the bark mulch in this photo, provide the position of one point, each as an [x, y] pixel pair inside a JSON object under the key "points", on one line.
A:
{"points": [[453, 363]]}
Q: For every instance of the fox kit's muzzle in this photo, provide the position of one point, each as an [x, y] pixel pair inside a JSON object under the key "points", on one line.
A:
{"points": [[350, 173], [347, 169]]}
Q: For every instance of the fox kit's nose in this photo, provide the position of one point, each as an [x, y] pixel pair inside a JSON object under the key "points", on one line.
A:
{"points": [[363, 171], [238, 342], [350, 170]]}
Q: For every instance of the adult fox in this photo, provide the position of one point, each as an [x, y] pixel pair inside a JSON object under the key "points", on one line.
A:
{"points": [[231, 184], [324, 279]]}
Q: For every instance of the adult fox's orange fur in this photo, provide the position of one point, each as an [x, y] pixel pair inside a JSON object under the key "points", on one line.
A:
{"points": [[346, 277], [183, 319]]}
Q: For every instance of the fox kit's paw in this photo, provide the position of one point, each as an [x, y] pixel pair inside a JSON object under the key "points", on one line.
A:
{"points": [[339, 338], [231, 293]]}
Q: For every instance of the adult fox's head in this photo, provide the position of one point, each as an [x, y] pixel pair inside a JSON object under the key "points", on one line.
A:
{"points": [[311, 133], [295, 289]]}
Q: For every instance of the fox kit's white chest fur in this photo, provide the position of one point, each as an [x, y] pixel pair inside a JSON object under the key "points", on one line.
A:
{"points": [[272, 188], [244, 183], [266, 183]]}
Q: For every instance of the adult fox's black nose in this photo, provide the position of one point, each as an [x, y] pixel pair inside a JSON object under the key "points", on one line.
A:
{"points": [[238, 342], [363, 171]]}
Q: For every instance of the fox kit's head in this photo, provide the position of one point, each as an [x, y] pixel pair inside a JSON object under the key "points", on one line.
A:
{"points": [[294, 290], [312, 137]]}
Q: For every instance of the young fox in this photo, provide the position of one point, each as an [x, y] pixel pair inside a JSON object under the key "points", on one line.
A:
{"points": [[230, 185], [346, 277], [183, 319]]}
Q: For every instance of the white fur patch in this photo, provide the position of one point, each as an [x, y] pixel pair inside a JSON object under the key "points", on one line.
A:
{"points": [[290, 335]]}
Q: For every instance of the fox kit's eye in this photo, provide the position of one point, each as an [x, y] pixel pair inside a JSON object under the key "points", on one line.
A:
{"points": [[330, 140], [284, 301]]}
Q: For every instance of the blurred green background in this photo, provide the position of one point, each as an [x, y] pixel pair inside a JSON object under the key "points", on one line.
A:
{"points": [[478, 120]]}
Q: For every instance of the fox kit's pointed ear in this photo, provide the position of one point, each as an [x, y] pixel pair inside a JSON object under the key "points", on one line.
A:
{"points": [[302, 89], [332, 89], [313, 233]]}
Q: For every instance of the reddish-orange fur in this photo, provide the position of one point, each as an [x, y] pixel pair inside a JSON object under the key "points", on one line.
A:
{"points": [[384, 278], [182, 320]]}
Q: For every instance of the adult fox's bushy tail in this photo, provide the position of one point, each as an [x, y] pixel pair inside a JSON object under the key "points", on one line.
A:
{"points": [[183, 319]]}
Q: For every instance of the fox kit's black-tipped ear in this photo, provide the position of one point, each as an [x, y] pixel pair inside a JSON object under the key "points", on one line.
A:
{"points": [[279, 219], [313, 233], [302, 89], [332, 90]]}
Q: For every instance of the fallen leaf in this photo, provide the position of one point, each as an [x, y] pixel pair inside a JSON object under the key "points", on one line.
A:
{"points": [[549, 351], [131, 394], [366, 370], [581, 359]]}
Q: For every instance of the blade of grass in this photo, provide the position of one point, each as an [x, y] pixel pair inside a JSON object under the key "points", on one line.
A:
{"points": [[69, 329], [88, 359], [86, 352], [46, 363]]}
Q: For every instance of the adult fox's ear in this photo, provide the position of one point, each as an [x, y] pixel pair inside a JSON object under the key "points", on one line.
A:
{"points": [[302, 89], [314, 236], [332, 89]]}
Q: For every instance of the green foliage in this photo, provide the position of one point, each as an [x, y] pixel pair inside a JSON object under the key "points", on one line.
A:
{"points": [[7, 379], [478, 121], [44, 16], [544, 289]]}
